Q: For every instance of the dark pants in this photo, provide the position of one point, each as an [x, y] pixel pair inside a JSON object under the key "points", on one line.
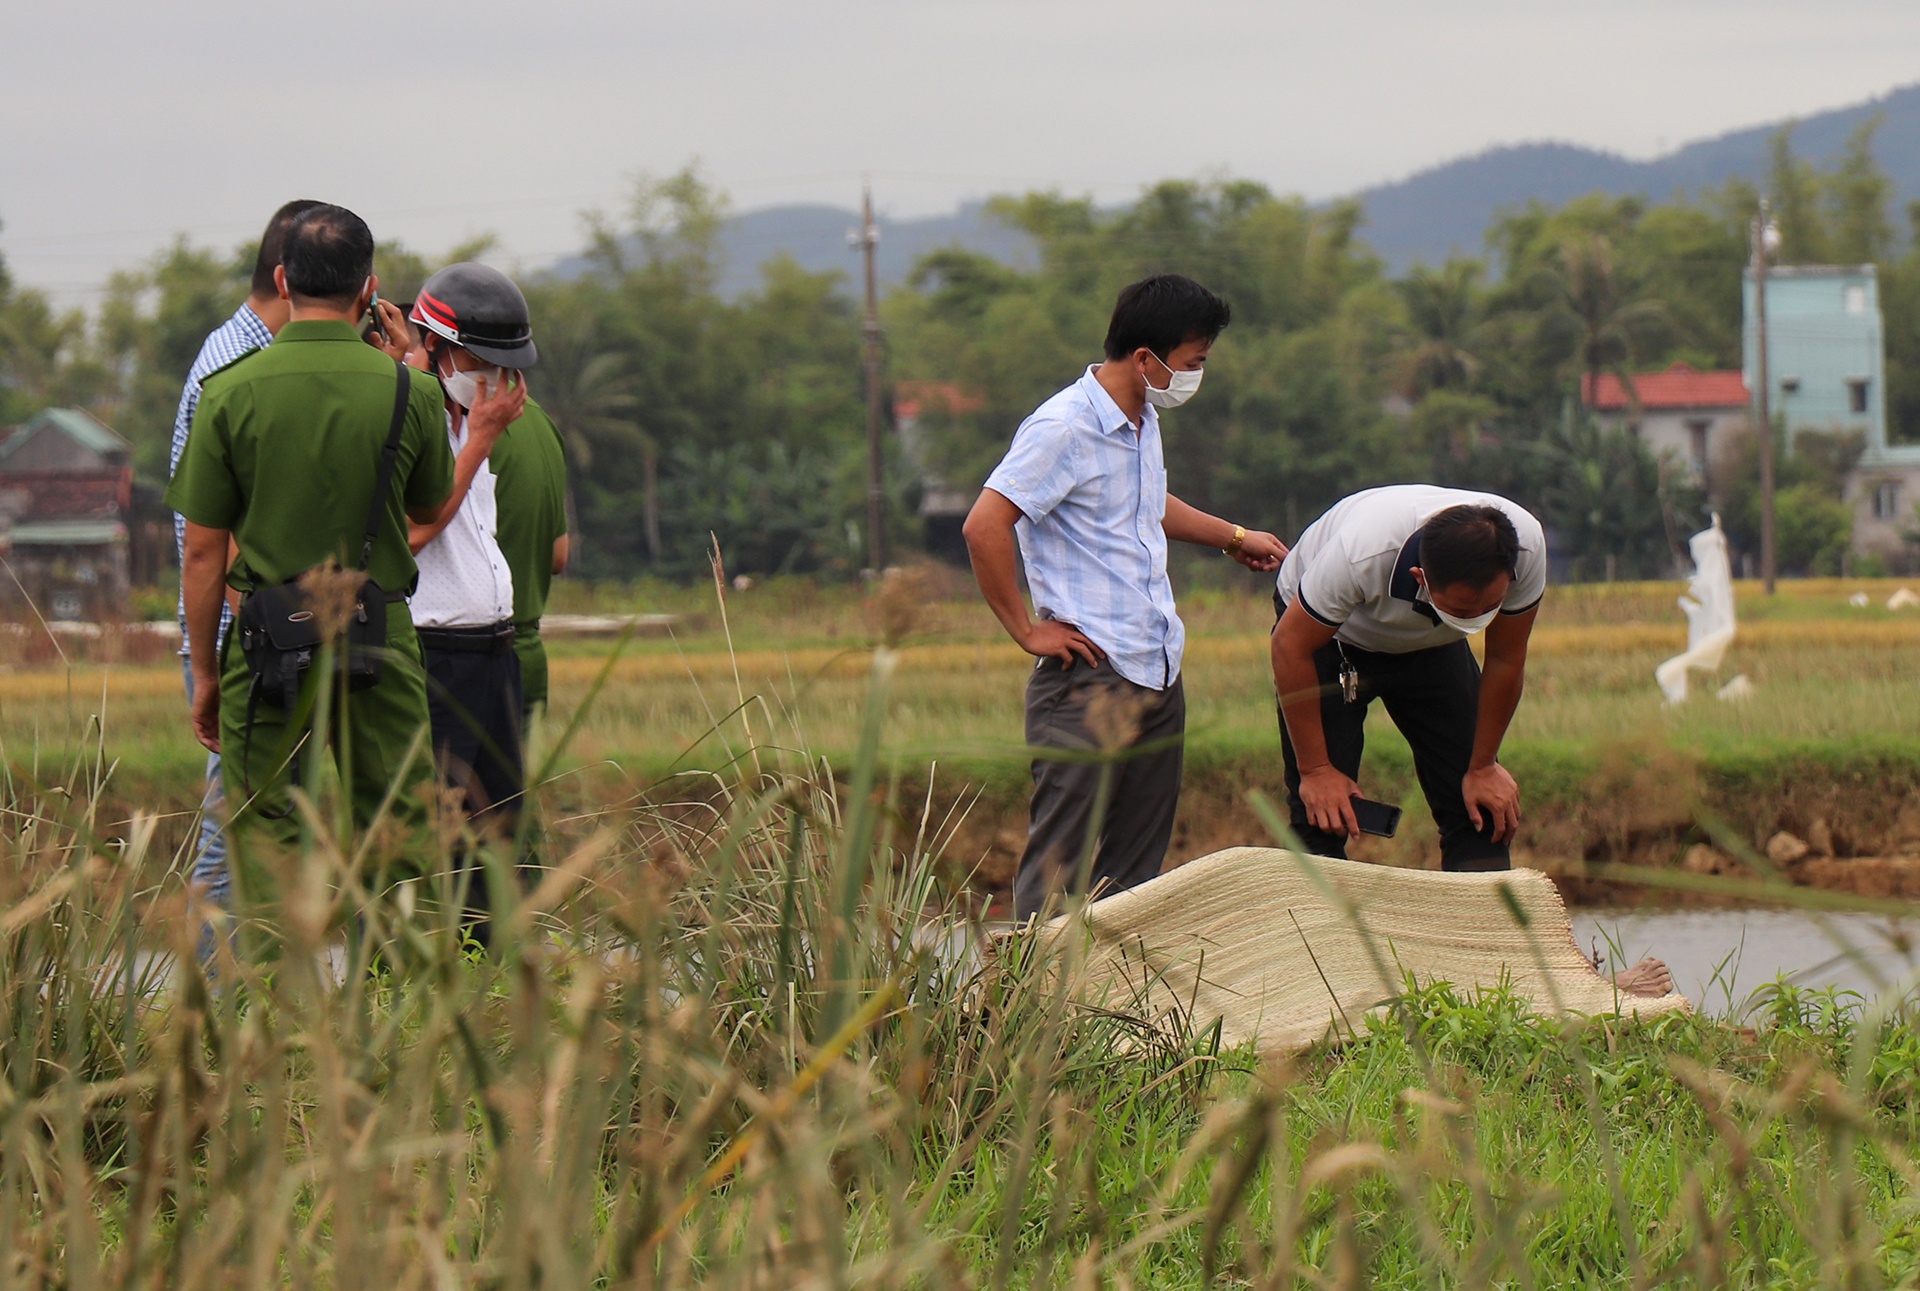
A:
{"points": [[474, 703], [1433, 696], [1084, 712]]}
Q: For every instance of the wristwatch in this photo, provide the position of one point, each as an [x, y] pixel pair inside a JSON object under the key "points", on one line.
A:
{"points": [[1239, 540]]}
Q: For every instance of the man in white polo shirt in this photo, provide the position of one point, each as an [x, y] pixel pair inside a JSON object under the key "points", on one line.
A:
{"points": [[477, 338], [1084, 489], [1377, 600]]}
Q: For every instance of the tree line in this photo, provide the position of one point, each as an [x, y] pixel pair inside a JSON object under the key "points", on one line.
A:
{"points": [[687, 412]]}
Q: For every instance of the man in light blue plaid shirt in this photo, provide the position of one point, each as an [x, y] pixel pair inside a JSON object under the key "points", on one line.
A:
{"points": [[252, 326], [1084, 488]]}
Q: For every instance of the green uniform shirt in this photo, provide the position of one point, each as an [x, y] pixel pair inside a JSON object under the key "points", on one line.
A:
{"points": [[530, 493], [285, 447]]}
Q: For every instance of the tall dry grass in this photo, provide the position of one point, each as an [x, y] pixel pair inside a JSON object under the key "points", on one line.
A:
{"points": [[749, 1037]]}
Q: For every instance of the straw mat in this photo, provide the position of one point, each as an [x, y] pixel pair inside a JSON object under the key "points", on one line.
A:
{"points": [[1246, 936]]}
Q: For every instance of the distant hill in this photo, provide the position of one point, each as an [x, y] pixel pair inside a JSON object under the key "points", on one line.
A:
{"points": [[1426, 216], [816, 237], [1449, 208]]}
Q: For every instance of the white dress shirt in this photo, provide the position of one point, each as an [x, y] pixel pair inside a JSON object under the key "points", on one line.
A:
{"points": [[464, 580]]}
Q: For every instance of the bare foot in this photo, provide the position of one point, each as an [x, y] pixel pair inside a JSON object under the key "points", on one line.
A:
{"points": [[1648, 977]]}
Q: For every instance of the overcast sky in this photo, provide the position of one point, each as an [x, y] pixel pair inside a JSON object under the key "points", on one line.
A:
{"points": [[123, 124]]}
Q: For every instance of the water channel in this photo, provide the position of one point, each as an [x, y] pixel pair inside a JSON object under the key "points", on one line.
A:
{"points": [[1720, 958]]}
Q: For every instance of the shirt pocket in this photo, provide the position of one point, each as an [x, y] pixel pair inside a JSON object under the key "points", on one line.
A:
{"points": [[1153, 483]]}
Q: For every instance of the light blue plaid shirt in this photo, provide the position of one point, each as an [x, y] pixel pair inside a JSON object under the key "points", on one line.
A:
{"points": [[227, 342], [1093, 499]]}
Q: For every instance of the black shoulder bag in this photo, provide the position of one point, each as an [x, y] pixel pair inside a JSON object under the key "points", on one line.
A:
{"points": [[280, 632]]}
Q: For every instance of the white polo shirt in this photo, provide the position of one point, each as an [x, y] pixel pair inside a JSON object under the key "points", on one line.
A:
{"points": [[464, 580], [1353, 567]]}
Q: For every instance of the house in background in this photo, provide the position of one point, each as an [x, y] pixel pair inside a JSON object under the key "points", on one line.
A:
{"points": [[1693, 420], [1826, 361], [921, 408], [66, 499]]}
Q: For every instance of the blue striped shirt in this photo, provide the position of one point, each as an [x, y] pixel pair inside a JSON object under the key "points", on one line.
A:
{"points": [[227, 342], [1092, 494]]}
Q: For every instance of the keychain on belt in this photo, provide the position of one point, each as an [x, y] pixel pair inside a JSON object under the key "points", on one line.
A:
{"points": [[1349, 676]]}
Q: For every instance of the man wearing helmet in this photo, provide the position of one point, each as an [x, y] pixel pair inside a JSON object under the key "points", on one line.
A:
{"points": [[476, 338]]}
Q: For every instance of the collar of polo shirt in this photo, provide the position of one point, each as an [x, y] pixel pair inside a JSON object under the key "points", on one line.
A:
{"points": [[1405, 587]]}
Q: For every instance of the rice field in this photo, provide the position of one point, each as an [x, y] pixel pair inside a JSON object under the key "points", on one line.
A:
{"points": [[1826, 676]]}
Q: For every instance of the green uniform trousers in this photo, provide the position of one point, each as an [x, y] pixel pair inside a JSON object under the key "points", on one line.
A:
{"points": [[533, 665], [371, 740]]}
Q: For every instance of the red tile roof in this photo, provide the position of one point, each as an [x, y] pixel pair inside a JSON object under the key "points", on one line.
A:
{"points": [[1680, 386], [911, 398]]}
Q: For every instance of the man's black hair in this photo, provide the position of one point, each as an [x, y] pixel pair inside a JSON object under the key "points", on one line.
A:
{"points": [[1162, 313], [273, 246], [329, 254], [1468, 545]]}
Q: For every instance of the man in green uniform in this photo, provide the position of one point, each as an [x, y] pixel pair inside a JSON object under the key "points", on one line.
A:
{"points": [[283, 457], [530, 487]]}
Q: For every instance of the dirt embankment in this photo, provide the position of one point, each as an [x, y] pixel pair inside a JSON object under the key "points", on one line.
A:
{"points": [[1845, 820], [1848, 824]]}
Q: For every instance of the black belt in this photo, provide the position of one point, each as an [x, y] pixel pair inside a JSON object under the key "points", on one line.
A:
{"points": [[487, 640]]}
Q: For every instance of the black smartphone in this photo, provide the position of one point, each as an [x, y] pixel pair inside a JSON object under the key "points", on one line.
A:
{"points": [[1381, 818]]}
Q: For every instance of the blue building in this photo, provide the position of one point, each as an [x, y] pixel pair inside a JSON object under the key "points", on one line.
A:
{"points": [[1825, 350], [1826, 361]]}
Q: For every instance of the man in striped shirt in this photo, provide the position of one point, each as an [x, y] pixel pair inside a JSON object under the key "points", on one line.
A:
{"points": [[1084, 490], [253, 326]]}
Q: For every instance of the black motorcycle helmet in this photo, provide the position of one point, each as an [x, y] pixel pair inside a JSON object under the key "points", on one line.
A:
{"points": [[479, 309]]}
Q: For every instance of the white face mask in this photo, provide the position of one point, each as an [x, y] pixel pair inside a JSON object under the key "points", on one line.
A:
{"points": [[1478, 623], [463, 388], [1180, 387]]}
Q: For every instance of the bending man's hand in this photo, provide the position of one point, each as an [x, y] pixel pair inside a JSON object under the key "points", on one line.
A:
{"points": [[1049, 639], [1493, 801], [1327, 793], [1261, 551]]}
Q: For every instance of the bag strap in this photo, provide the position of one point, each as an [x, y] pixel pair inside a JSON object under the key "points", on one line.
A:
{"points": [[388, 456]]}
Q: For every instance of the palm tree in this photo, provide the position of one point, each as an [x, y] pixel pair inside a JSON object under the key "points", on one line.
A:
{"points": [[1606, 497], [1443, 310], [1592, 310], [588, 391]]}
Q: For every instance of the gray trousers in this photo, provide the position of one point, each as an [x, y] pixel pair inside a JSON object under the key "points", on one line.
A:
{"points": [[1082, 711]]}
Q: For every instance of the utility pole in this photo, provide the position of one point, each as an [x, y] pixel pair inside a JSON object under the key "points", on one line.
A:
{"points": [[1764, 236], [867, 239]]}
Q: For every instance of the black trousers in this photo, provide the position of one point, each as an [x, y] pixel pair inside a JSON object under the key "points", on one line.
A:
{"points": [[474, 703], [473, 700], [1433, 696], [1132, 734]]}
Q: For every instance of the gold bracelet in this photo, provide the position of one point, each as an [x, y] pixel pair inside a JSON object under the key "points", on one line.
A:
{"points": [[1239, 540]]}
